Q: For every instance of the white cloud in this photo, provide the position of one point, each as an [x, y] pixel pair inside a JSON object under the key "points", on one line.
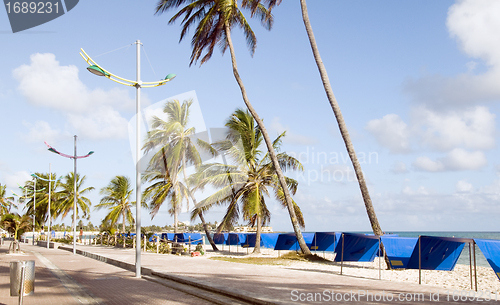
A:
{"points": [[391, 132], [475, 25], [44, 82], [291, 137], [456, 160], [399, 168], [472, 128], [12, 180], [40, 132], [464, 187]]}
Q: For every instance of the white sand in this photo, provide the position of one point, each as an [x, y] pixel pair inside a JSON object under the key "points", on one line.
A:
{"points": [[458, 279]]}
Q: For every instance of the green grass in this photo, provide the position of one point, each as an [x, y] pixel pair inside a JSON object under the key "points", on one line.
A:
{"points": [[283, 260]]}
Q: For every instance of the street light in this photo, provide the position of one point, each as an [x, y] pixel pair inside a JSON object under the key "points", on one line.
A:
{"points": [[74, 157], [50, 191], [34, 202], [138, 84]]}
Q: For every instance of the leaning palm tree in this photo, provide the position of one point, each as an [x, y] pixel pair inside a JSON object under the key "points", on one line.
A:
{"points": [[340, 121], [176, 150], [244, 186], [67, 196], [15, 223], [215, 19], [117, 200]]}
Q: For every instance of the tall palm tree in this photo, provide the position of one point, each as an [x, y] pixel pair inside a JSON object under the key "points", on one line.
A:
{"points": [[215, 19], [67, 196], [5, 202], [42, 198], [15, 223], [117, 200], [340, 121], [245, 185], [176, 150]]}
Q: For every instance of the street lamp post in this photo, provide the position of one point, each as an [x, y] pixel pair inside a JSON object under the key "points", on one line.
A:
{"points": [[138, 84], [50, 191], [34, 202], [74, 157]]}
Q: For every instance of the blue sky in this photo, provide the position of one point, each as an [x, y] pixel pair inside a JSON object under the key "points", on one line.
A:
{"points": [[417, 83]]}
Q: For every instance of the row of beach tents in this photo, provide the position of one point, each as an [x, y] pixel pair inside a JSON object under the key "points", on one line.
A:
{"points": [[423, 253]]}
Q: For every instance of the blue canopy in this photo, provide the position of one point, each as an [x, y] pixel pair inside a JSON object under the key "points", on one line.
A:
{"points": [[267, 240], [399, 250], [220, 238], [187, 237], [153, 238], [437, 253], [168, 236], [288, 241], [357, 248], [235, 238], [491, 251], [325, 241]]}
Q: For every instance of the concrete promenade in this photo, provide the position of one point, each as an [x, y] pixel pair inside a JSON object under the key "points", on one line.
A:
{"points": [[64, 278]]}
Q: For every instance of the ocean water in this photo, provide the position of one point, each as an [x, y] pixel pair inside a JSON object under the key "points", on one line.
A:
{"points": [[464, 257]]}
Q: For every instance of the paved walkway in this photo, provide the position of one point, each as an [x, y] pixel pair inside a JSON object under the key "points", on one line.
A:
{"points": [[67, 279], [64, 278]]}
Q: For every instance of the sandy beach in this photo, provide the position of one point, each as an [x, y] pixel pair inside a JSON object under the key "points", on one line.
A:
{"points": [[459, 279]]}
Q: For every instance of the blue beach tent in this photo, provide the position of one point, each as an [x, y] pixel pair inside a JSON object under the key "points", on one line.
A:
{"points": [[235, 239], [353, 247], [399, 250], [220, 238], [267, 240], [168, 236], [288, 241], [187, 237], [325, 241], [437, 253], [491, 251]]}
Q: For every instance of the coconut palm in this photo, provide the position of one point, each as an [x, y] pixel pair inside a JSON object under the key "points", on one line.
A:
{"points": [[340, 121], [245, 184], [214, 20], [117, 200], [176, 150], [5, 202], [42, 197], [15, 223], [67, 196]]}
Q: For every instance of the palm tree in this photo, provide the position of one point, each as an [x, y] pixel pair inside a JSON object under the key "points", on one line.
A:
{"points": [[117, 200], [176, 151], [215, 20], [67, 196], [15, 223], [5, 202], [42, 198], [245, 185], [342, 126]]}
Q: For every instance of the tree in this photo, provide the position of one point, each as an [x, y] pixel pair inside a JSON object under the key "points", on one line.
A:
{"points": [[244, 185], [42, 198], [14, 223], [117, 200], [340, 121], [5, 202], [67, 196], [176, 150], [215, 19]]}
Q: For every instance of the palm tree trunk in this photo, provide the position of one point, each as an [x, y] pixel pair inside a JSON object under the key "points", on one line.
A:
{"points": [[269, 144], [123, 227], [200, 214], [342, 126], [257, 235]]}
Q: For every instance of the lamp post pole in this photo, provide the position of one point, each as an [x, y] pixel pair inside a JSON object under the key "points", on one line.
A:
{"points": [[75, 191], [137, 164], [48, 231], [34, 208], [138, 84]]}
